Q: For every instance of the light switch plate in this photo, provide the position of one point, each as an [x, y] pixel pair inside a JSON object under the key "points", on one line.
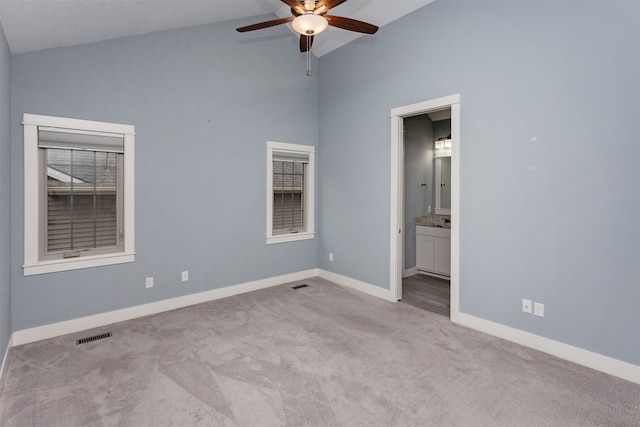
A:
{"points": [[538, 309]]}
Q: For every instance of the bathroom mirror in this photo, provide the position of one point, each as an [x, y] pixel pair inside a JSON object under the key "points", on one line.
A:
{"points": [[443, 185]]}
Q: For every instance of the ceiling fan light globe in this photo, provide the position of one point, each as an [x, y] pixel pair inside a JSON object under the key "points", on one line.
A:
{"points": [[309, 24]]}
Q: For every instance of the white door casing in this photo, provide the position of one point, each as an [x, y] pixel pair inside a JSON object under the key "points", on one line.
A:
{"points": [[397, 226]]}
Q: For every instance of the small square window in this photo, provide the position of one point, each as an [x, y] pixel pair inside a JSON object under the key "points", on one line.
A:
{"points": [[290, 192]]}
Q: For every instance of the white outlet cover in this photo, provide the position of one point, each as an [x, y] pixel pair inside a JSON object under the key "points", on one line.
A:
{"points": [[185, 276], [538, 309], [149, 282], [526, 305]]}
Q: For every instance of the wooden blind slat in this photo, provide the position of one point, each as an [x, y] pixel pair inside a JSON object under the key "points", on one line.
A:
{"points": [[73, 223]]}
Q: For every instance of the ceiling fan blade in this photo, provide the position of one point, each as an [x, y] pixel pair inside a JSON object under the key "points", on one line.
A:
{"points": [[265, 24], [305, 43], [351, 24], [323, 6], [295, 5]]}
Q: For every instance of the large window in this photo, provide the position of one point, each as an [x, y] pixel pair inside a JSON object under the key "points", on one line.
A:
{"points": [[78, 193], [290, 192]]}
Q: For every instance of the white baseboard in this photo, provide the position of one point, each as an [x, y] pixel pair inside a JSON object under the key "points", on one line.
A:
{"points": [[608, 365], [4, 359], [429, 273], [410, 272], [75, 325], [358, 285], [577, 355]]}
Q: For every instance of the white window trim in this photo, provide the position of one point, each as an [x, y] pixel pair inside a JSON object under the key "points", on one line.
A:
{"points": [[309, 191], [32, 264]]}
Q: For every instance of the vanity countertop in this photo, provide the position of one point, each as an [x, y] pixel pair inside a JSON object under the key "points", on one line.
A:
{"points": [[434, 221]]}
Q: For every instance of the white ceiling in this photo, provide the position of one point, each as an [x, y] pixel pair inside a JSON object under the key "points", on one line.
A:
{"points": [[31, 25]]}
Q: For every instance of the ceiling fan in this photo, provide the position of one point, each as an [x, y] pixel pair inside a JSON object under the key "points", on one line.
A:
{"points": [[310, 18]]}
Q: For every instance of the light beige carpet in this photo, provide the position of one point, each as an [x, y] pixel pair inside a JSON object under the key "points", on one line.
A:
{"points": [[322, 355]]}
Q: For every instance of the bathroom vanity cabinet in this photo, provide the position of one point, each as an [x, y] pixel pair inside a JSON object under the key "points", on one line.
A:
{"points": [[433, 250]]}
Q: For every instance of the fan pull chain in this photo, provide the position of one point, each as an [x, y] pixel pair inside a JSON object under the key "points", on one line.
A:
{"points": [[308, 57]]}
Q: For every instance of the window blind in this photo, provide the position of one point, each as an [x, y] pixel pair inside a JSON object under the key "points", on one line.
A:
{"points": [[288, 191], [81, 221], [82, 199]]}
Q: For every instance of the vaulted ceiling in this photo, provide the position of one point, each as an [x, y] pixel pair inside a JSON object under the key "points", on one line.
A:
{"points": [[31, 25]]}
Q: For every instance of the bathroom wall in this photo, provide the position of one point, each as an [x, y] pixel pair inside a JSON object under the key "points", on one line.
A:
{"points": [[441, 129], [418, 169], [420, 132]]}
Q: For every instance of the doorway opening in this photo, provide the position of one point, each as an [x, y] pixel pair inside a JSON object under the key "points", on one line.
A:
{"points": [[399, 226]]}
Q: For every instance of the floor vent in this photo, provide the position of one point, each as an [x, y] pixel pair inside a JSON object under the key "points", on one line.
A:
{"points": [[300, 286], [93, 338]]}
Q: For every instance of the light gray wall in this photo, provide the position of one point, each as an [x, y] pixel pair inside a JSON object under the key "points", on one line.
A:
{"points": [[204, 101], [566, 235], [5, 195], [418, 169]]}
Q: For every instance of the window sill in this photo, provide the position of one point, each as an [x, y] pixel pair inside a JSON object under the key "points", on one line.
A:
{"points": [[58, 265], [283, 238]]}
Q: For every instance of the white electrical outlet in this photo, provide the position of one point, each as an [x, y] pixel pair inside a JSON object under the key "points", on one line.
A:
{"points": [[526, 305], [331, 256], [185, 276], [149, 282], [538, 309]]}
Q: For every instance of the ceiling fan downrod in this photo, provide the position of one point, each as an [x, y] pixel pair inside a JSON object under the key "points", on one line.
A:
{"points": [[308, 61]]}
